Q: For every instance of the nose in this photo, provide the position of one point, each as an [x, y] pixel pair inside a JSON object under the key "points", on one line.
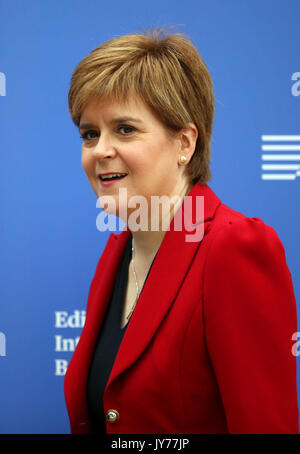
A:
{"points": [[104, 148]]}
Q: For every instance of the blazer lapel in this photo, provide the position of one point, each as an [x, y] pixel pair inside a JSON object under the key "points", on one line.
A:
{"points": [[100, 293], [168, 271]]}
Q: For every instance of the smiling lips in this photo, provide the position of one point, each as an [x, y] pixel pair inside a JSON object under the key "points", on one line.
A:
{"points": [[111, 177]]}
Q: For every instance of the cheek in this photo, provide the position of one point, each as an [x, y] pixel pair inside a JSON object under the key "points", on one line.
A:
{"points": [[145, 160], [85, 161], [164, 162], [137, 163]]}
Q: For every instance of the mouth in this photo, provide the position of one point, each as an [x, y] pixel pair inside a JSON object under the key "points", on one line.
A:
{"points": [[110, 178]]}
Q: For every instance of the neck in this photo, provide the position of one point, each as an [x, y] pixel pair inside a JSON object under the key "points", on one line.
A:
{"points": [[147, 243]]}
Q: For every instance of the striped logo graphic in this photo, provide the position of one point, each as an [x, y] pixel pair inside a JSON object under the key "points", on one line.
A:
{"points": [[280, 160]]}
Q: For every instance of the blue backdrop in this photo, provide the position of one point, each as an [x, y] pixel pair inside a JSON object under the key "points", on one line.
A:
{"points": [[49, 241]]}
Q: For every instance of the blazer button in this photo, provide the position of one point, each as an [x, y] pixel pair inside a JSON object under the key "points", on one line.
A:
{"points": [[112, 416]]}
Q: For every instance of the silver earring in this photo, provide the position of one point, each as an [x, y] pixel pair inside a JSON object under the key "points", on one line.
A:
{"points": [[182, 159]]}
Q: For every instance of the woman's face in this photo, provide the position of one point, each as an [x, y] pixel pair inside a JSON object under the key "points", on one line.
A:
{"points": [[128, 138]]}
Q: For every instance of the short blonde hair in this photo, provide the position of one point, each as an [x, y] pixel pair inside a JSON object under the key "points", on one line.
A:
{"points": [[166, 72]]}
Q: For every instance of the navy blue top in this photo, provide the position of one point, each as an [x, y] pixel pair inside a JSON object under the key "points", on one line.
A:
{"points": [[107, 345]]}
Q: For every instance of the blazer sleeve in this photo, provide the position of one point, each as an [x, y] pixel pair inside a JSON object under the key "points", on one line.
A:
{"points": [[249, 317]]}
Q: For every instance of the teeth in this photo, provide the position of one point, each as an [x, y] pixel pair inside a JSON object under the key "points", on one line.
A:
{"points": [[108, 177]]}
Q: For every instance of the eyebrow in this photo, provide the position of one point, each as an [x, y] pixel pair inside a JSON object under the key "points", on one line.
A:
{"points": [[114, 120]]}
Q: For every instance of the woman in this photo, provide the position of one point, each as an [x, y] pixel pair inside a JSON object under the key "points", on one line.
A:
{"points": [[188, 329]]}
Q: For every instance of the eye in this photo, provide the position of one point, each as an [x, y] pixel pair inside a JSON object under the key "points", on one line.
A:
{"points": [[128, 129], [85, 136]]}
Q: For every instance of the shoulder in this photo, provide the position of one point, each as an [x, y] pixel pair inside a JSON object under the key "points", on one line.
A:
{"points": [[245, 272], [231, 230], [244, 252]]}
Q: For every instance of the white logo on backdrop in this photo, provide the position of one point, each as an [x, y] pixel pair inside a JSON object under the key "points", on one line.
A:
{"points": [[283, 158], [64, 344], [2, 84]]}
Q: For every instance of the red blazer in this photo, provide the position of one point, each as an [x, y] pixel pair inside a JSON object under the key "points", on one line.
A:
{"points": [[208, 347]]}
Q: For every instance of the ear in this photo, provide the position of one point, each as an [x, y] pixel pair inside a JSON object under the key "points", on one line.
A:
{"points": [[188, 138]]}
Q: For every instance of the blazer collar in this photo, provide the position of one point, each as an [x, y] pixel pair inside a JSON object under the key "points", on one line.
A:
{"points": [[165, 277], [158, 294]]}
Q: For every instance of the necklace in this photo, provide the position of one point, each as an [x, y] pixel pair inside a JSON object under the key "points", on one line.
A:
{"points": [[136, 283]]}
